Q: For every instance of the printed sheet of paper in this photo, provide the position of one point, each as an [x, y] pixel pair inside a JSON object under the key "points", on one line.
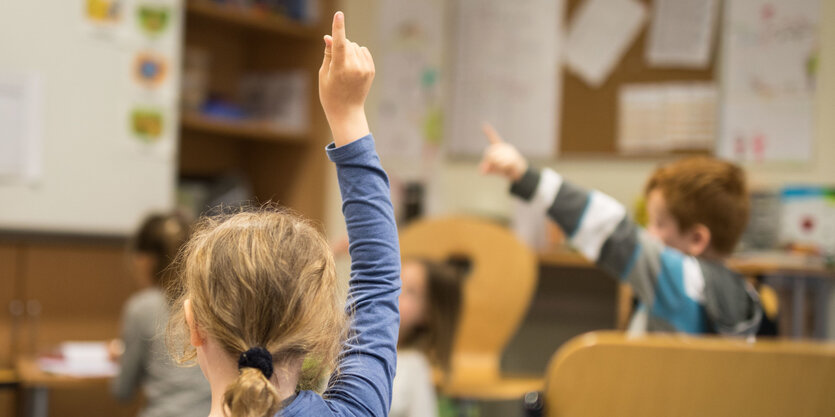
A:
{"points": [[769, 70], [506, 73], [20, 127], [409, 72], [600, 32], [681, 33], [657, 118]]}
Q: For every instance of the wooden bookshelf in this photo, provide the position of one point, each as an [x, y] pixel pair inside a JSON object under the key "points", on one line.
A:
{"points": [[251, 19], [244, 129], [282, 165]]}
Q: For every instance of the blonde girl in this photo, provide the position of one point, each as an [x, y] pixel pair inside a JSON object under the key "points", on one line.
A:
{"points": [[259, 293]]}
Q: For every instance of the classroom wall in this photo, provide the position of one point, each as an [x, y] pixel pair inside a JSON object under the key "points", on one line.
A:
{"points": [[464, 190], [460, 189]]}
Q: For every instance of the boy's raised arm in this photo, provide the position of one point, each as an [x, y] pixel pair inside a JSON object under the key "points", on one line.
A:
{"points": [[597, 225]]}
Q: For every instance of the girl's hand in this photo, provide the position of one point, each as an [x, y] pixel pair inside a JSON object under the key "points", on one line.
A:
{"points": [[344, 80], [501, 158]]}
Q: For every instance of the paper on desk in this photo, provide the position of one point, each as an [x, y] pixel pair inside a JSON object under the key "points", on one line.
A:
{"points": [[81, 359], [599, 34], [20, 128], [681, 33]]}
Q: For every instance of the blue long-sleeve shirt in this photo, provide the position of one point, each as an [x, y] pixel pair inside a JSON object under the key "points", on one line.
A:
{"points": [[363, 382]]}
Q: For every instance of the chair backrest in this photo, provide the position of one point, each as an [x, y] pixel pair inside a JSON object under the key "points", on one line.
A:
{"points": [[609, 374], [496, 292]]}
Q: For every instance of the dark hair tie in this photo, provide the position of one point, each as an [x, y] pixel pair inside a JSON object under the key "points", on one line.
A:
{"points": [[258, 358]]}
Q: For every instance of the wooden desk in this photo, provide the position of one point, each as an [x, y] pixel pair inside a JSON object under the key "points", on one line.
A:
{"points": [[37, 383], [746, 264], [800, 275], [30, 375], [781, 263], [505, 389], [8, 377]]}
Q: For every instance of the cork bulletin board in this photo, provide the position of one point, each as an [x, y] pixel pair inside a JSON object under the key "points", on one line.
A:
{"points": [[589, 119]]}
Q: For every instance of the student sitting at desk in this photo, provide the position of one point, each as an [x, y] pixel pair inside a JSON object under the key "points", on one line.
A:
{"points": [[430, 303], [698, 209], [170, 390]]}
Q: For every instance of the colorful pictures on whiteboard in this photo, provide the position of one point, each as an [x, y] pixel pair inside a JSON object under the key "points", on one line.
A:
{"points": [[150, 126], [150, 69], [153, 19], [104, 19], [104, 12], [149, 115], [154, 23], [147, 124]]}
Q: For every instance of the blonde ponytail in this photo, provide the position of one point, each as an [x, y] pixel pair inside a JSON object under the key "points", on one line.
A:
{"points": [[251, 395], [262, 284]]}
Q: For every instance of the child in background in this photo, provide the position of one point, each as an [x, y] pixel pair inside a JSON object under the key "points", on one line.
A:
{"points": [[697, 208], [260, 293], [430, 302], [170, 390]]}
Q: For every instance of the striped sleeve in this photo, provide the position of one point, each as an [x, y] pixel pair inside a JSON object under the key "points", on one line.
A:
{"points": [[597, 225], [600, 228]]}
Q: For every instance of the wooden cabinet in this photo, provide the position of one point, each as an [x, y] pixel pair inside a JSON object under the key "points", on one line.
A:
{"points": [[8, 293], [9, 277], [65, 289], [73, 291]]}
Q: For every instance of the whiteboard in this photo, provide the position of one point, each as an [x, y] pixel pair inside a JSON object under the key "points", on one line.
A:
{"points": [[92, 173]]}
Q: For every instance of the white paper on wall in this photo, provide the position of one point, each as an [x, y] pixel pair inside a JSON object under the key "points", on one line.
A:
{"points": [[506, 73], [681, 33], [769, 66], [664, 117], [599, 34], [20, 128]]}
